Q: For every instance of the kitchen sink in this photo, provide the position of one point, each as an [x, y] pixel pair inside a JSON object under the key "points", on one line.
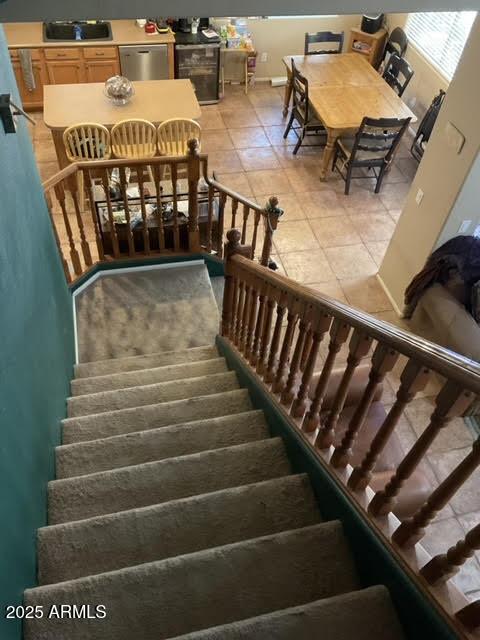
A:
{"points": [[68, 31]]}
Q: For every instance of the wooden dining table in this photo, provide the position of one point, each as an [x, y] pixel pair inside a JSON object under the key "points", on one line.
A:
{"points": [[343, 89]]}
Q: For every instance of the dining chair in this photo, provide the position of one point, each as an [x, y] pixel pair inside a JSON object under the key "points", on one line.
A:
{"points": [[398, 73], [302, 112], [373, 147], [174, 134], [322, 37], [86, 141], [397, 43], [135, 138], [425, 128]]}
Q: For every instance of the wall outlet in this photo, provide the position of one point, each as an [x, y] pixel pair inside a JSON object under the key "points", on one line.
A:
{"points": [[463, 228], [264, 57], [419, 196]]}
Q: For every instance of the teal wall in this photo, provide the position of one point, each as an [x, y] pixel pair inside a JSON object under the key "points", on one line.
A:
{"points": [[36, 357]]}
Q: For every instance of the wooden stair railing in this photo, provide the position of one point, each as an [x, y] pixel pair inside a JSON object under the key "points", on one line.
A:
{"points": [[274, 323], [84, 238]]}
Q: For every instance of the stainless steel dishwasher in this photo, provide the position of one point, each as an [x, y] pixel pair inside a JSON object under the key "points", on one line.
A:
{"points": [[144, 62]]}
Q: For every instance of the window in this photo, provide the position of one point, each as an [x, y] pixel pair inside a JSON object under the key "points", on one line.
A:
{"points": [[441, 37]]}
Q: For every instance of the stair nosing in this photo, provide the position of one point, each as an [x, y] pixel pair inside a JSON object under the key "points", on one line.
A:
{"points": [[143, 355]]}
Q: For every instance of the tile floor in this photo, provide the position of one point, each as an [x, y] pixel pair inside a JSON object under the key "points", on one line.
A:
{"points": [[335, 244]]}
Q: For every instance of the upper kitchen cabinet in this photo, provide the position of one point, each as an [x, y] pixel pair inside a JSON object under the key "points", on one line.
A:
{"points": [[31, 96]]}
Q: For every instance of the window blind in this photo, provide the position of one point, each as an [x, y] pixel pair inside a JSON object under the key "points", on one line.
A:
{"points": [[441, 36]]}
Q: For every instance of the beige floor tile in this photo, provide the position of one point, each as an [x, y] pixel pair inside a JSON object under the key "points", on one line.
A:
{"points": [[308, 266], [216, 140], [467, 498], [366, 294], [334, 232], [331, 289], [294, 236], [408, 167], [467, 522], [323, 203], [351, 261], [237, 182], [455, 435], [290, 205], [394, 175], [273, 181], [269, 116], [373, 227], [45, 151], [393, 196], [211, 120], [234, 101], [261, 98], [224, 162], [275, 136], [258, 158], [395, 214], [305, 157], [304, 179], [247, 137], [363, 201], [236, 118], [377, 250]]}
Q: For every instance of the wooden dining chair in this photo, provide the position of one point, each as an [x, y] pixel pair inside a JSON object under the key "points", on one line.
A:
{"points": [[302, 112], [135, 138], [86, 141], [398, 73], [323, 37], [373, 147], [174, 134], [396, 44]]}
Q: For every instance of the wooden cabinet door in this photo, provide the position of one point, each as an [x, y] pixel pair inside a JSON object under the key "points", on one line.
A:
{"points": [[34, 98], [101, 70], [65, 71]]}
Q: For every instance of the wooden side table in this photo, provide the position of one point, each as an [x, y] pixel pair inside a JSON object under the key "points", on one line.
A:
{"points": [[370, 45]]}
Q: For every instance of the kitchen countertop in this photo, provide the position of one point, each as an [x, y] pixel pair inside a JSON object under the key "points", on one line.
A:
{"points": [[30, 34]]}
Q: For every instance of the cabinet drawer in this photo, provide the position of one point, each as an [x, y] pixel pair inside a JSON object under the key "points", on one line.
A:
{"points": [[70, 53], [36, 54], [94, 53]]}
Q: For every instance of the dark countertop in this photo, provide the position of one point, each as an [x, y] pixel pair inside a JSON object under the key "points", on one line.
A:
{"points": [[197, 38]]}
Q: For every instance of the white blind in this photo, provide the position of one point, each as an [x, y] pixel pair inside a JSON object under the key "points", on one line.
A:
{"points": [[441, 36]]}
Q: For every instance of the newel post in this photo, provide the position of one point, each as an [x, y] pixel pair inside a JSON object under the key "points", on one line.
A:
{"points": [[232, 247], [193, 167], [272, 214]]}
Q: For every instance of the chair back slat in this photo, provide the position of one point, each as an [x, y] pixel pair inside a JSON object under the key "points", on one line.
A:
{"points": [[300, 92], [174, 134], [398, 73], [134, 138], [322, 37], [87, 141], [379, 135]]}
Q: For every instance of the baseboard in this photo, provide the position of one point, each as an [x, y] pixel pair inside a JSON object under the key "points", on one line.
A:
{"points": [[391, 299]]}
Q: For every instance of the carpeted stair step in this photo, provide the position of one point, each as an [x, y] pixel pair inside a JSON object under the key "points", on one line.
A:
{"points": [[94, 403], [359, 615], [133, 363], [158, 444], [106, 543], [154, 416], [140, 377], [179, 595], [155, 482]]}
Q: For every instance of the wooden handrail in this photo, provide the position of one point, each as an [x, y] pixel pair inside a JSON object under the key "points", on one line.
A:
{"points": [[447, 363]]}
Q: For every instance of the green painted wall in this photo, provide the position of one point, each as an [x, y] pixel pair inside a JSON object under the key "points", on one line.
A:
{"points": [[36, 357]]}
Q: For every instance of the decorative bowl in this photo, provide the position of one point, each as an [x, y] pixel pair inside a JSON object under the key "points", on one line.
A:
{"points": [[119, 90]]}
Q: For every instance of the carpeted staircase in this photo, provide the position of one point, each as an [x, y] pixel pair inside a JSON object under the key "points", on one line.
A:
{"points": [[175, 509]]}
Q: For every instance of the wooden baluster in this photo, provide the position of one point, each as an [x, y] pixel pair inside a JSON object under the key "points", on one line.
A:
{"points": [[159, 215], [319, 325], [359, 346], [267, 330], [91, 196], [246, 212], [469, 616], [66, 269], [413, 379], [383, 360], [306, 349], [143, 208], [221, 223], [126, 207], [234, 212], [271, 214], [338, 336], [444, 566], [174, 178], [211, 197], [60, 194], [245, 316], [288, 392], [277, 333], [111, 222], [281, 375], [251, 321], [256, 221], [239, 315], [258, 326], [413, 529], [83, 240], [229, 307], [193, 178], [452, 401]]}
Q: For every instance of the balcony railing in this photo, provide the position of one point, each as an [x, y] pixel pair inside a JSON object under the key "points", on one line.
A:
{"points": [[147, 207]]}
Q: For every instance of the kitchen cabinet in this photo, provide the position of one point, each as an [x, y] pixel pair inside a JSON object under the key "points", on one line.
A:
{"points": [[65, 71], [101, 63], [31, 99]]}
